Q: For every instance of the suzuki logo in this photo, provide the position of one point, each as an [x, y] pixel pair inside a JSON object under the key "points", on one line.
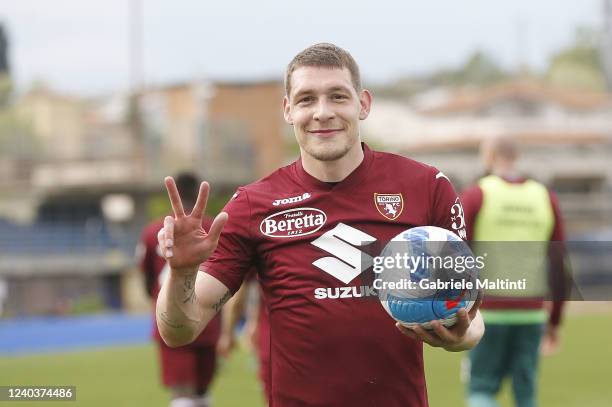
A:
{"points": [[348, 262]]}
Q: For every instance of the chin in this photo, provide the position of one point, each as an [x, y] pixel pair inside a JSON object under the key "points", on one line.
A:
{"points": [[328, 153]]}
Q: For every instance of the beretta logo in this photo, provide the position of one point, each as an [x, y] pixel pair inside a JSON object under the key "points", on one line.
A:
{"points": [[293, 222]]}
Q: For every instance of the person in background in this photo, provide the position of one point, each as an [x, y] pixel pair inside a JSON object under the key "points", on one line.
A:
{"points": [[256, 330], [504, 206], [186, 371]]}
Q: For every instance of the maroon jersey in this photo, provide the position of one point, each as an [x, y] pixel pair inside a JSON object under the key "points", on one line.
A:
{"points": [[332, 344], [156, 269]]}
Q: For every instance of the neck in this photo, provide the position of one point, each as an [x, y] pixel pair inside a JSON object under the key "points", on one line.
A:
{"points": [[336, 170], [505, 170]]}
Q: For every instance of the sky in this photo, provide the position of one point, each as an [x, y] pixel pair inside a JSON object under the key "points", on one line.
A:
{"points": [[82, 47]]}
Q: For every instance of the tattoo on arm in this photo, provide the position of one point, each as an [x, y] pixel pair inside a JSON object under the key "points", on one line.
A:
{"points": [[189, 290], [166, 320], [222, 301]]}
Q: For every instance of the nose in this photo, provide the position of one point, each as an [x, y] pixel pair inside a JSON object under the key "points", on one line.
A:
{"points": [[323, 111]]}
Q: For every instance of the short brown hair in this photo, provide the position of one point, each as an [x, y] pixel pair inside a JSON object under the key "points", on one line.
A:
{"points": [[324, 55]]}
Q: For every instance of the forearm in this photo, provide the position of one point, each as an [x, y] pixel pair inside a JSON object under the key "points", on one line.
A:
{"points": [[472, 335], [179, 318], [185, 305], [233, 311]]}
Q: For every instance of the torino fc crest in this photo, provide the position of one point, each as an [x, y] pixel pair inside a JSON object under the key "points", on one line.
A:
{"points": [[389, 205]]}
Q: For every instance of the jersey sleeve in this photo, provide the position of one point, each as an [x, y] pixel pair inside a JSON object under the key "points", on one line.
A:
{"points": [[558, 276], [232, 260], [446, 208], [146, 250], [471, 199]]}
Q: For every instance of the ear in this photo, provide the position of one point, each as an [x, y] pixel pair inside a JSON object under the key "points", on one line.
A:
{"points": [[287, 111], [365, 100]]}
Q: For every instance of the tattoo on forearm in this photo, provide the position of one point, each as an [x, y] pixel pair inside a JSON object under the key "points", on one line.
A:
{"points": [[222, 301], [189, 290], [166, 320]]}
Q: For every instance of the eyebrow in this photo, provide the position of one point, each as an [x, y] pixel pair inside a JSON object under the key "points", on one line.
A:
{"points": [[331, 90]]}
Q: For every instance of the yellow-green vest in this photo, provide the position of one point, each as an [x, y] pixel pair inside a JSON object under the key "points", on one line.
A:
{"points": [[521, 216]]}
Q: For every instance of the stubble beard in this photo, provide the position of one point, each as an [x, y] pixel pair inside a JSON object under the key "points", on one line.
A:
{"points": [[328, 151]]}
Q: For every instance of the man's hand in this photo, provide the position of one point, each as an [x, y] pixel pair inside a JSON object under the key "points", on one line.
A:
{"points": [[225, 344], [463, 335], [183, 241], [550, 341], [250, 334]]}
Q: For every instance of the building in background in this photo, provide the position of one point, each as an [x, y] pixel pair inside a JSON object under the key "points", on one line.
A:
{"points": [[566, 137], [76, 197]]}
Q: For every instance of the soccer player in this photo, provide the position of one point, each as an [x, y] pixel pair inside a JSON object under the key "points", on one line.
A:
{"points": [[256, 328], [310, 228], [504, 206], [187, 370]]}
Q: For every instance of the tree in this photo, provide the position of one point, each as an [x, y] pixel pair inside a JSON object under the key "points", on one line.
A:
{"points": [[578, 66], [5, 77], [479, 69]]}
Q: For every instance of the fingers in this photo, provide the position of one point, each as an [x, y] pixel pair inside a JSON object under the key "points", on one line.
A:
{"points": [[416, 332], [175, 198], [447, 336], [168, 236], [427, 337], [407, 331], [225, 345], [161, 241], [439, 336], [217, 226], [200, 205], [463, 322], [476, 305]]}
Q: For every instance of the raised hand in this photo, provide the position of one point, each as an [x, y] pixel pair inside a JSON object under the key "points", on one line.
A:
{"points": [[183, 241]]}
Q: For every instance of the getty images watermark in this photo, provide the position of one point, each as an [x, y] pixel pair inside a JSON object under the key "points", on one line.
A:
{"points": [[37, 393], [402, 271]]}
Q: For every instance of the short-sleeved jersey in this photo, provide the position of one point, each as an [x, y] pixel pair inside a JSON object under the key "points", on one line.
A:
{"points": [[332, 344], [156, 269]]}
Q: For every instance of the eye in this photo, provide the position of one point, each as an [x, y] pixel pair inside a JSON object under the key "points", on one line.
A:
{"points": [[339, 97], [305, 100]]}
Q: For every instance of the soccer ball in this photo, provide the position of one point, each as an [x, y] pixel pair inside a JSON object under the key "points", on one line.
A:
{"points": [[426, 273]]}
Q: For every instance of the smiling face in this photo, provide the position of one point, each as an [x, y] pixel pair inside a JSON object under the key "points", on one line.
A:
{"points": [[324, 108]]}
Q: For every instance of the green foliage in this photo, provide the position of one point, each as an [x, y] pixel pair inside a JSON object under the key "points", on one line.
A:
{"points": [[87, 305], [6, 87], [159, 206], [479, 69], [578, 66], [17, 139], [292, 149], [216, 203]]}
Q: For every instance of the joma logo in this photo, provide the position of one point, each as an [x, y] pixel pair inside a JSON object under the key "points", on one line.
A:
{"points": [[293, 199]]}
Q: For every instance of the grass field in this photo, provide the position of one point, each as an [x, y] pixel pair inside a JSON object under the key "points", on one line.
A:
{"points": [[578, 376]]}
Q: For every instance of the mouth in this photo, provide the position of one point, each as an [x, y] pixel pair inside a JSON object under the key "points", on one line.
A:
{"points": [[324, 132]]}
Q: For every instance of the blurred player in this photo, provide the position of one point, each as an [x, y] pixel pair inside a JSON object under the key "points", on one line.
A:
{"points": [[256, 329], [188, 370], [311, 228], [505, 206]]}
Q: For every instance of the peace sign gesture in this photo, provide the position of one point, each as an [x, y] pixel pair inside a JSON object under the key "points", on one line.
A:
{"points": [[183, 241]]}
